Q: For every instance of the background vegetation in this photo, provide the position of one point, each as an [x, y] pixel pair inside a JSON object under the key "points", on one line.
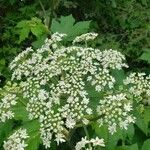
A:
{"points": [[122, 24]]}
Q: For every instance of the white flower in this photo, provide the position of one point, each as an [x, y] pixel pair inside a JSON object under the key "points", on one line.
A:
{"points": [[128, 107], [59, 138], [89, 111], [46, 142], [43, 95], [70, 123], [98, 142], [81, 144], [130, 119], [112, 128], [85, 121], [124, 124]]}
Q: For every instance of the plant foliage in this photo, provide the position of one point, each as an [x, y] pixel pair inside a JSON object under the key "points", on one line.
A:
{"points": [[122, 25]]}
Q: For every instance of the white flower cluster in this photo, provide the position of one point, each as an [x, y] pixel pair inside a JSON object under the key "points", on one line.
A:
{"points": [[5, 107], [35, 108], [101, 80], [57, 37], [19, 58], [94, 142], [54, 79], [139, 85], [85, 37], [115, 111], [75, 109], [113, 59], [18, 65], [17, 140], [29, 62], [51, 123], [8, 99]]}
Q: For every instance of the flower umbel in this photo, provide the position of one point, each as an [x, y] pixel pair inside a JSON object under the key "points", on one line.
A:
{"points": [[66, 87], [115, 110], [17, 140]]}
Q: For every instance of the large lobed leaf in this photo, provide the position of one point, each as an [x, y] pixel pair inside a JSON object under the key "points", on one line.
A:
{"points": [[67, 25]]}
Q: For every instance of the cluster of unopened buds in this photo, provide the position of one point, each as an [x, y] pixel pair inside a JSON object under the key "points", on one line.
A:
{"points": [[53, 81]]}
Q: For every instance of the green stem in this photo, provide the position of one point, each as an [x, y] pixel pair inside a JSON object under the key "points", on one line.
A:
{"points": [[87, 134], [86, 44], [68, 135], [42, 6], [23, 102], [91, 119], [46, 21], [51, 17], [124, 137]]}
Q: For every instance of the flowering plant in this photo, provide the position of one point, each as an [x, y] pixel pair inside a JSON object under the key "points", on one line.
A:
{"points": [[54, 83]]}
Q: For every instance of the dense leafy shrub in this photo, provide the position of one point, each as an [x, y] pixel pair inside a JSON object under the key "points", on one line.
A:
{"points": [[121, 24]]}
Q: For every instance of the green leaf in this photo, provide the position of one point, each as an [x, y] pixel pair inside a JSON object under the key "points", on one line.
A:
{"points": [[12, 2], [32, 125], [140, 122], [33, 141], [5, 129], [114, 5], [23, 34], [130, 131], [110, 140], [119, 76], [113, 140], [2, 64], [34, 134], [93, 95], [144, 2], [67, 25], [143, 120], [100, 131], [35, 26], [131, 147], [23, 30], [37, 31], [21, 24], [20, 112], [146, 145], [146, 55], [64, 26], [79, 28], [39, 42], [2, 61], [146, 115]]}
